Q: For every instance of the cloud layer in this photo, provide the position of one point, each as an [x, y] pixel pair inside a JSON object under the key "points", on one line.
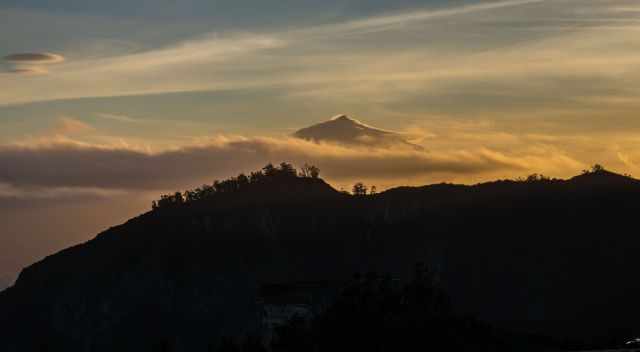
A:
{"points": [[60, 164]]}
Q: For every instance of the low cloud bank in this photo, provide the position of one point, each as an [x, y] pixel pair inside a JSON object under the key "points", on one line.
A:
{"points": [[66, 164]]}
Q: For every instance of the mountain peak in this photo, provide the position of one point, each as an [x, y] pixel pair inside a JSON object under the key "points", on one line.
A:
{"points": [[341, 117], [346, 119], [343, 129]]}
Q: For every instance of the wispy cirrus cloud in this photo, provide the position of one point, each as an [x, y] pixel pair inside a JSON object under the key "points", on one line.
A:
{"points": [[391, 22], [119, 118], [231, 60], [501, 58]]}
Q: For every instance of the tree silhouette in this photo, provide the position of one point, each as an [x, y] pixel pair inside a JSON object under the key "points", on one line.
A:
{"points": [[359, 189], [287, 170], [536, 178], [242, 180], [596, 168], [178, 198], [269, 170], [256, 177], [309, 171], [281, 173]]}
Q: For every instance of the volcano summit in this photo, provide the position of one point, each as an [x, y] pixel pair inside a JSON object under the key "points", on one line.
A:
{"points": [[342, 129]]}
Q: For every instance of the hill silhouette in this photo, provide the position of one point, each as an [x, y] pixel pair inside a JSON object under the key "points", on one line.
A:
{"points": [[538, 256]]}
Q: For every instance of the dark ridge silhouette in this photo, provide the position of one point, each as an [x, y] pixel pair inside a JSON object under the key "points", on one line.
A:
{"points": [[268, 184], [530, 257]]}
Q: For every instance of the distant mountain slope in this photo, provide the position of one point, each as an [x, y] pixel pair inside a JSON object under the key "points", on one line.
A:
{"points": [[345, 130], [603, 178], [5, 282], [556, 257]]}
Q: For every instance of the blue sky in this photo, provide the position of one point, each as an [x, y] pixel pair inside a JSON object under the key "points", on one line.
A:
{"points": [[60, 24]]}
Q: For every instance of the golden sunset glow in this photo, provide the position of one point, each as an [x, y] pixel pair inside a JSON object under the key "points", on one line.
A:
{"points": [[120, 101]]}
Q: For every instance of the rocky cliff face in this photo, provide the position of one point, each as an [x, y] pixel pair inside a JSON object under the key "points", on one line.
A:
{"points": [[553, 257]]}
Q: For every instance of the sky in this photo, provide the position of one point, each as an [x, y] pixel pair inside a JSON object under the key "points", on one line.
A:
{"points": [[106, 104]]}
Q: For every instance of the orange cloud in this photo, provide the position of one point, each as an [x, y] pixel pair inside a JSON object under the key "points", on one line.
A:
{"points": [[70, 126], [70, 164]]}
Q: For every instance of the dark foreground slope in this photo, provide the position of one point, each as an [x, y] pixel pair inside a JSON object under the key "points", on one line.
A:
{"points": [[557, 257]]}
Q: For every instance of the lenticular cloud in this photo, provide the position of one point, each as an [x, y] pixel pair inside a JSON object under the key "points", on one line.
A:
{"points": [[35, 58], [30, 63]]}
